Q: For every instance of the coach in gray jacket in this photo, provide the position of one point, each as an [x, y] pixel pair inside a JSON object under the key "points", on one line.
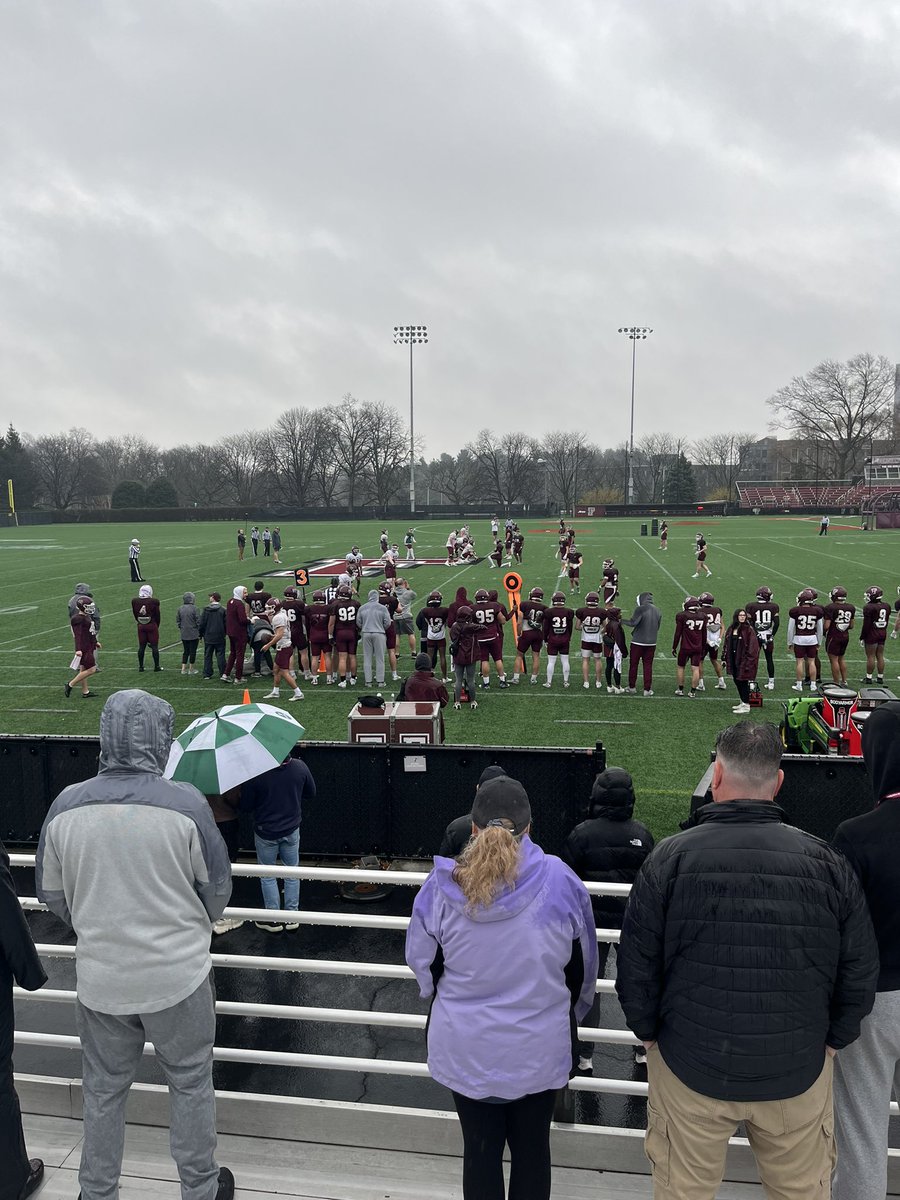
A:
{"points": [[645, 622], [135, 865], [373, 621]]}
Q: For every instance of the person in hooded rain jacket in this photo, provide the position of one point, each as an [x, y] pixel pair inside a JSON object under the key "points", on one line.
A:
{"points": [[503, 943]]}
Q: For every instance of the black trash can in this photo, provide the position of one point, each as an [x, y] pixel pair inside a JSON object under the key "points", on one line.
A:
{"points": [[643, 531]]}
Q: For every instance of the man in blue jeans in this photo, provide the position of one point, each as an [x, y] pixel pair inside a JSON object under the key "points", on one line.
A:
{"points": [[276, 802]]}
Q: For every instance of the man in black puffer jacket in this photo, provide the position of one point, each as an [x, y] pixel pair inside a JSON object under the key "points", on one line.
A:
{"points": [[747, 959], [608, 848]]}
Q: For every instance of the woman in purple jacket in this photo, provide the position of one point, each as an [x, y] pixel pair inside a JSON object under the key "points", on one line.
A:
{"points": [[503, 941]]}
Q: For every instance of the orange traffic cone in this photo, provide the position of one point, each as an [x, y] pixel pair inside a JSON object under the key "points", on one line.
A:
{"points": [[246, 699], [321, 664]]}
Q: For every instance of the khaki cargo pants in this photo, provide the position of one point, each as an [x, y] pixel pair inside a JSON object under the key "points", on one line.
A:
{"points": [[687, 1138]]}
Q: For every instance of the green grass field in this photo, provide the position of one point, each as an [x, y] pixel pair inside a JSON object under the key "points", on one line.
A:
{"points": [[662, 740]]}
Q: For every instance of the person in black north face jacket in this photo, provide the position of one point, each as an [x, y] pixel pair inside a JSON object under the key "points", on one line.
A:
{"points": [[747, 959]]}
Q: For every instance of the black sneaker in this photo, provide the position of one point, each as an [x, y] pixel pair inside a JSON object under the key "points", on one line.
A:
{"points": [[68, 690], [35, 1175], [225, 1190]]}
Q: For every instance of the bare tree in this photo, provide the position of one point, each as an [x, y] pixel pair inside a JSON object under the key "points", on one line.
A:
{"points": [[605, 476], [128, 457], [567, 463], [388, 452], [455, 477], [653, 456], [242, 458], [64, 465], [297, 439], [723, 455], [506, 465], [843, 406], [350, 446], [196, 472]]}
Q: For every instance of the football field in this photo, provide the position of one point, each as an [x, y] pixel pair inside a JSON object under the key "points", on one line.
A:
{"points": [[662, 740]]}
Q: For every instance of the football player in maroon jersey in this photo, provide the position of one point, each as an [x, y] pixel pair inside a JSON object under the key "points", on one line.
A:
{"points": [[838, 621], [663, 535], [590, 621], [496, 555], [876, 618], [896, 628], [689, 643], [318, 618], [146, 613], [531, 637], [574, 559], [614, 650], [281, 641], [610, 581], [518, 544], [559, 622], [85, 633], [488, 614], [296, 615], [563, 544], [713, 639], [435, 616], [342, 632], [763, 612], [805, 623], [700, 555], [259, 598]]}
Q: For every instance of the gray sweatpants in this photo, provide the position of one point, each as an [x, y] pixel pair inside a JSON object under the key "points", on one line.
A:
{"points": [[111, 1050], [373, 651], [865, 1074]]}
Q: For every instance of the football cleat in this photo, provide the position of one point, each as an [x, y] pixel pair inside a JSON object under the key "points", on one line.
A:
{"points": [[872, 594]]}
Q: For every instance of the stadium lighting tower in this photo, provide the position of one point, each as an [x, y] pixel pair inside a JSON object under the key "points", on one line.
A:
{"points": [[637, 333], [411, 335]]}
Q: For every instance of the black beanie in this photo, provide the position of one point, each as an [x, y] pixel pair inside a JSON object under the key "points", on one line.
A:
{"points": [[492, 772], [881, 750]]}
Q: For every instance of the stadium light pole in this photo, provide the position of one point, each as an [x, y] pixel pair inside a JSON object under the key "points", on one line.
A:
{"points": [[637, 333], [411, 335]]}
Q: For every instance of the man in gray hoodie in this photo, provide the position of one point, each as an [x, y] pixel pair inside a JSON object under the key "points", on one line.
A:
{"points": [[373, 621], [135, 865], [645, 622]]}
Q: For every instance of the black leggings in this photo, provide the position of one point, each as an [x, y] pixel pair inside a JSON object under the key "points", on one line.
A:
{"points": [[524, 1125], [770, 659], [743, 690], [612, 673]]}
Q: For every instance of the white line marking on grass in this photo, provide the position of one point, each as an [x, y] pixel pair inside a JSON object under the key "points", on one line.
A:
{"points": [[804, 583], [836, 557], [661, 567], [594, 722]]}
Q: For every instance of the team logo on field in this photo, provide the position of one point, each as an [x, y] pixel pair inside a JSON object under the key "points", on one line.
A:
{"points": [[327, 567]]}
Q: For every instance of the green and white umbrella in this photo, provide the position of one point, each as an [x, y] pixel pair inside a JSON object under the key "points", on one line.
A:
{"points": [[238, 742]]}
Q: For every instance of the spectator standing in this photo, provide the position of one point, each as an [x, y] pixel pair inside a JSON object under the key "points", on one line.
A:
{"points": [[503, 940], [188, 621], [372, 621], [147, 615], [212, 630], [134, 561], [237, 621], [644, 623], [143, 967], [254, 540], [403, 617], [267, 542], [275, 800], [868, 1071], [242, 544], [464, 634], [422, 685], [747, 959], [610, 847], [19, 963], [741, 654], [276, 544]]}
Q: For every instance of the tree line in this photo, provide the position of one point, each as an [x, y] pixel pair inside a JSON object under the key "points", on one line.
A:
{"points": [[356, 454]]}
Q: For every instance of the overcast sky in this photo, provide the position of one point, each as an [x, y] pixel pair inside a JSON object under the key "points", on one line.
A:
{"points": [[211, 211]]}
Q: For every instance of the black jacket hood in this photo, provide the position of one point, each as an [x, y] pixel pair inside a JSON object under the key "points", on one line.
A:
{"points": [[612, 795], [881, 750]]}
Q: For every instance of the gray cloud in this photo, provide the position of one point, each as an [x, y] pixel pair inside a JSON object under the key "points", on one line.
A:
{"points": [[212, 211]]}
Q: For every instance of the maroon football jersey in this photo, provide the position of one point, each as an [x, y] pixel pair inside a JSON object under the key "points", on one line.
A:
{"points": [[591, 620], [764, 617], [486, 616], [317, 618], [876, 617], [558, 622], [146, 612], [690, 632], [574, 558], [806, 618], [344, 612], [840, 615], [532, 613], [84, 632], [296, 611], [258, 601]]}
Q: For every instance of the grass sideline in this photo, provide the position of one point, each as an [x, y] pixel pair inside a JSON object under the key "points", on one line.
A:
{"points": [[663, 741]]}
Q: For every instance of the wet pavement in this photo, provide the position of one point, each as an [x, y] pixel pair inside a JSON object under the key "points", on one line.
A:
{"points": [[308, 1037]]}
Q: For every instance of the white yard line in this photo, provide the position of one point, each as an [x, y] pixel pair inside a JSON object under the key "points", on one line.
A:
{"points": [[657, 563], [804, 583]]}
